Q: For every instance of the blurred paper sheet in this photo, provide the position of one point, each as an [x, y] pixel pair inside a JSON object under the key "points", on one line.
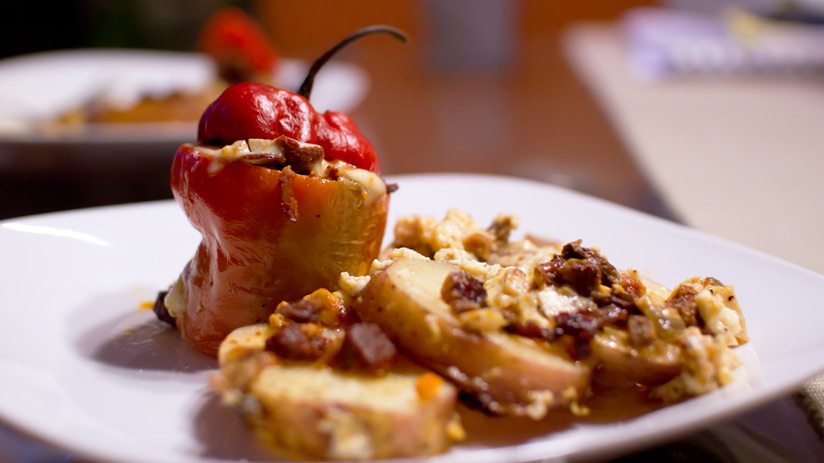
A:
{"points": [[665, 42]]}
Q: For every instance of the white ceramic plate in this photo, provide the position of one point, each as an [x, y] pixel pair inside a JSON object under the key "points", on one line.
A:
{"points": [[40, 86], [82, 367]]}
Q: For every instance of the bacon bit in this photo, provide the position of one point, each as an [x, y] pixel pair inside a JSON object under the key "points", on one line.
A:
{"points": [[292, 343], [367, 348], [581, 327], [303, 311], [287, 194], [582, 275], [682, 299], [320, 306], [391, 187], [427, 385], [633, 286], [300, 156], [584, 269], [580, 324], [463, 292]]}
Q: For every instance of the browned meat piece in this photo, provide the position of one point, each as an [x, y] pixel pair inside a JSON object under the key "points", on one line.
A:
{"points": [[302, 311], [582, 326], [293, 343], [463, 292], [581, 268], [583, 276], [501, 228], [574, 250], [367, 348], [319, 307], [682, 299], [641, 330], [300, 156], [626, 293]]}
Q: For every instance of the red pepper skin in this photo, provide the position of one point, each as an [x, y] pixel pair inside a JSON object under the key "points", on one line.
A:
{"points": [[252, 256], [341, 137], [255, 110], [231, 37]]}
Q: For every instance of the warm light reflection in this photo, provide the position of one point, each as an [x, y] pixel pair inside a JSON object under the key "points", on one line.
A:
{"points": [[62, 232]]}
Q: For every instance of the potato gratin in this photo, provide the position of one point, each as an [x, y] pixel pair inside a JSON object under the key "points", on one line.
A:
{"points": [[454, 312]]}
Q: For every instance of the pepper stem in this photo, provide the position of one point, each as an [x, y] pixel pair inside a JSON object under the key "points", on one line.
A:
{"points": [[306, 87]]}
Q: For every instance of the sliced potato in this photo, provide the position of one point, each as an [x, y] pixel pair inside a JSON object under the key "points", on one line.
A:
{"points": [[650, 365], [318, 412], [242, 341], [509, 374]]}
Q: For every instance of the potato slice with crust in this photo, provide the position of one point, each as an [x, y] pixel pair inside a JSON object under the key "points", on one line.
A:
{"points": [[509, 374], [649, 365], [318, 412]]}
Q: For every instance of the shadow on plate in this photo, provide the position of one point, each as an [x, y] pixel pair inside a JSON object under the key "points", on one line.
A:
{"points": [[225, 434], [606, 406], [135, 339]]}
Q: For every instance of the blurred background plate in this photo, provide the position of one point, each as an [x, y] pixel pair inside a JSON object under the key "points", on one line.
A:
{"points": [[46, 166], [38, 88]]}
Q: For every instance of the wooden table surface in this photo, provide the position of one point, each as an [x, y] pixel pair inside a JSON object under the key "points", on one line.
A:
{"points": [[737, 157]]}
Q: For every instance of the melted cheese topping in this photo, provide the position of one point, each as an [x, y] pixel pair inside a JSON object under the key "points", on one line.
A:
{"points": [[372, 185], [553, 301], [720, 320]]}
